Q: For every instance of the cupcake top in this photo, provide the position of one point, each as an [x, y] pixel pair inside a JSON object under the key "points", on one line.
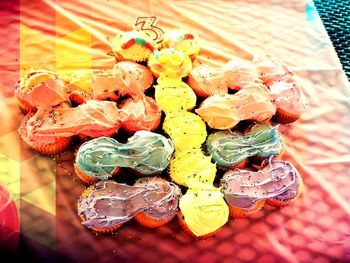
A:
{"points": [[191, 168], [126, 78], [93, 118], [204, 210], [287, 94], [42, 88], [242, 188], [134, 46], [224, 111], [187, 130], [169, 63], [206, 81], [132, 78], [110, 203], [183, 40], [141, 114], [230, 148], [240, 74], [270, 68], [174, 96], [145, 152]]}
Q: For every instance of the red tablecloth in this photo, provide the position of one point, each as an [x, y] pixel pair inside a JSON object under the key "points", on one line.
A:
{"points": [[66, 35]]}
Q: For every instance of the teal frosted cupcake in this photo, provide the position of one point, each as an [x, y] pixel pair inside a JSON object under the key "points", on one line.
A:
{"points": [[230, 149], [145, 152]]}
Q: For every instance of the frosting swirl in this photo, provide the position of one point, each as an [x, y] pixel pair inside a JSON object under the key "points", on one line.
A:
{"points": [[230, 148], [242, 188], [169, 63], [110, 203], [145, 152], [224, 111]]}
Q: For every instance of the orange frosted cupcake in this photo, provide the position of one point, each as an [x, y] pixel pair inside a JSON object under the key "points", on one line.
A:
{"points": [[156, 217], [206, 81], [142, 114]]}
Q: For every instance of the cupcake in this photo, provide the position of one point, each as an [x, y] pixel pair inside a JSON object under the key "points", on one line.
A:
{"points": [[286, 92], [132, 78], [134, 46], [202, 211], [93, 119], [166, 210], [225, 111], [182, 40], [141, 114], [169, 63], [206, 81], [288, 98], [107, 205], [240, 74], [145, 152], [227, 149], [36, 84], [127, 78], [187, 130], [86, 207], [270, 69], [246, 191], [174, 96], [191, 168], [46, 145]]}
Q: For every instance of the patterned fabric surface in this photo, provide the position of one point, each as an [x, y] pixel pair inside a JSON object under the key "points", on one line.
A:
{"points": [[66, 35]]}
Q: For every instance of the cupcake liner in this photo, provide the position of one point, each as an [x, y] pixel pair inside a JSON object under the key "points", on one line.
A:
{"points": [[275, 202], [97, 230], [242, 213], [188, 230], [24, 106], [147, 221], [86, 179], [284, 117], [49, 149]]}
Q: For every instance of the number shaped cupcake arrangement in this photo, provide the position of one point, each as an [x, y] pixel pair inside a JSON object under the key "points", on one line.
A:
{"points": [[222, 156]]}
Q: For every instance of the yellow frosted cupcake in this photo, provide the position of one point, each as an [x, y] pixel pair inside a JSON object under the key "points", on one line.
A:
{"points": [[182, 40], [174, 96], [203, 211], [133, 46], [169, 63], [191, 168]]}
